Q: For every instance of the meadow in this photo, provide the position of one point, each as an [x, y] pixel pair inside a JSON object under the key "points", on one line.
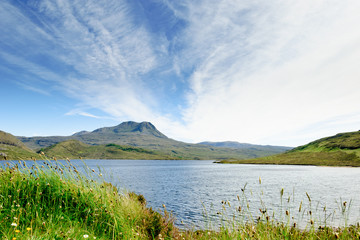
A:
{"points": [[48, 200]]}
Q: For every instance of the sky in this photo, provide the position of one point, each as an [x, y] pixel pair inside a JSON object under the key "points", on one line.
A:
{"points": [[280, 72]]}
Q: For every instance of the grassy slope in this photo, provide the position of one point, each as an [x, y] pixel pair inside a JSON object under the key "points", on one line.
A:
{"points": [[75, 149], [342, 149], [12, 148], [58, 203], [164, 146]]}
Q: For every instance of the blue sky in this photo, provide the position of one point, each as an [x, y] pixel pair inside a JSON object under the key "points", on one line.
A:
{"points": [[265, 72]]}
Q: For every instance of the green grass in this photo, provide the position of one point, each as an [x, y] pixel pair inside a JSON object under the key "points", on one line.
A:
{"points": [[303, 221], [348, 140], [61, 203], [266, 231], [58, 202]]}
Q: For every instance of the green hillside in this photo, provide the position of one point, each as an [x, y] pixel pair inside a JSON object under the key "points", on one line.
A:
{"points": [[343, 149], [145, 135], [349, 141], [237, 145], [12, 148], [74, 149]]}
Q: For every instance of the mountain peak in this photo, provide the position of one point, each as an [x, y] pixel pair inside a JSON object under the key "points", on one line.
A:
{"points": [[144, 128], [132, 124], [80, 133]]}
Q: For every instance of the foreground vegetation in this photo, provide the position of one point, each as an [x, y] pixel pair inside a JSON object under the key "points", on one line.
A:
{"points": [[342, 149], [58, 202], [54, 201]]}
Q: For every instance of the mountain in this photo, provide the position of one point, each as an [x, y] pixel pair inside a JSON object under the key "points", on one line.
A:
{"points": [[130, 133], [133, 128], [342, 149], [13, 148], [146, 136], [237, 145]]}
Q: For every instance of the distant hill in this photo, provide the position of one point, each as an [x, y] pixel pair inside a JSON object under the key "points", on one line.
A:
{"points": [[342, 149], [74, 149], [237, 145], [341, 141], [146, 136], [13, 148]]}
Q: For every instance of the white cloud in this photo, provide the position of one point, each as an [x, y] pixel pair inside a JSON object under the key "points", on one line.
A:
{"points": [[278, 68], [81, 112]]}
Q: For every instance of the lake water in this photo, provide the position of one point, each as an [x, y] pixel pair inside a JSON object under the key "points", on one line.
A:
{"points": [[187, 188]]}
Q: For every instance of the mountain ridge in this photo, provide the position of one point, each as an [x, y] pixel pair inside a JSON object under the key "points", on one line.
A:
{"points": [[145, 135], [234, 144], [98, 136]]}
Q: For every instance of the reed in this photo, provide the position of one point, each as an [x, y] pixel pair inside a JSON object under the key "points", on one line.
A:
{"points": [[55, 201], [239, 220]]}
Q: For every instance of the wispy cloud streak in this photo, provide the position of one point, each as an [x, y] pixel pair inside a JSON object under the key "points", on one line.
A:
{"points": [[98, 47]]}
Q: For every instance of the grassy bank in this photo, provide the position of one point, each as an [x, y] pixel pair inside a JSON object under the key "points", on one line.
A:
{"points": [[334, 159], [58, 202]]}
